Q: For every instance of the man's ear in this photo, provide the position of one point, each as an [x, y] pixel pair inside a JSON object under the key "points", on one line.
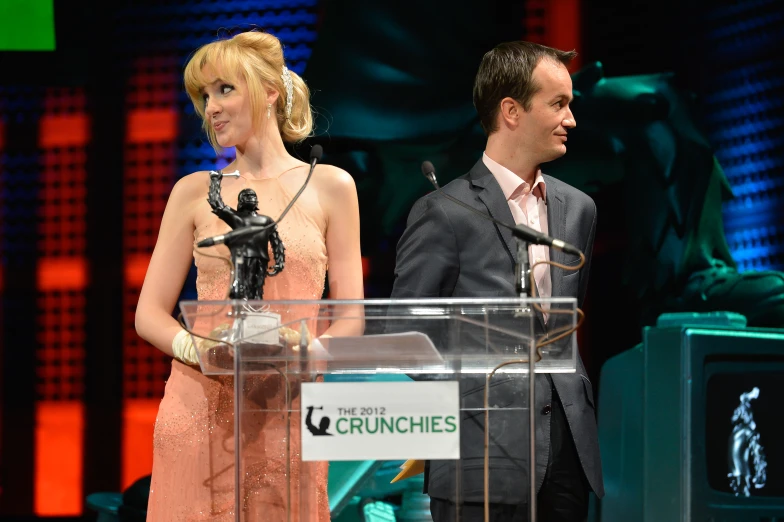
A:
{"points": [[509, 112]]}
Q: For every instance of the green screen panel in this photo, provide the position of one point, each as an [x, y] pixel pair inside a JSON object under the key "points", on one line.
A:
{"points": [[27, 25]]}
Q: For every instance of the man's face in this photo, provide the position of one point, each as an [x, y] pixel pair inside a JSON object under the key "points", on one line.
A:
{"points": [[543, 128]]}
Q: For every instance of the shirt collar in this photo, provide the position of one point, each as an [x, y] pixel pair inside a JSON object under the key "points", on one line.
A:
{"points": [[511, 184]]}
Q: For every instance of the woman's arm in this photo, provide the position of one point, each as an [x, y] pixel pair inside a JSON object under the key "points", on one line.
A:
{"points": [[338, 195], [168, 268]]}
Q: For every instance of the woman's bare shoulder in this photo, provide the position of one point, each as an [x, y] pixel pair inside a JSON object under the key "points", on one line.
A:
{"points": [[193, 185], [334, 180]]}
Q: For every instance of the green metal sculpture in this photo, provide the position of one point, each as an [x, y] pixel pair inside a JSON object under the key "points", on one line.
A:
{"points": [[637, 137]]}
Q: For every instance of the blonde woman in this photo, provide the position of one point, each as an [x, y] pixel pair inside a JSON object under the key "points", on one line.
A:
{"points": [[249, 100]]}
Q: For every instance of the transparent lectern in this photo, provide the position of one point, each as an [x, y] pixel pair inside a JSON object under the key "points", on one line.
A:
{"points": [[383, 380]]}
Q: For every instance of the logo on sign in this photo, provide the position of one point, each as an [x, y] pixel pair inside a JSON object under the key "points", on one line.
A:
{"points": [[381, 420], [323, 424]]}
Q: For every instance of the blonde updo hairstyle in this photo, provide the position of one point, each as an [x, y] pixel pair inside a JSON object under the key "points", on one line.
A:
{"points": [[258, 58]]}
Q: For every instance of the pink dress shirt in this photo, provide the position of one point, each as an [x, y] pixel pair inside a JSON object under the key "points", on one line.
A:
{"points": [[529, 207]]}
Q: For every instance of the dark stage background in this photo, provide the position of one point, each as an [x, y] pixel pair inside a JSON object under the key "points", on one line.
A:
{"points": [[94, 134]]}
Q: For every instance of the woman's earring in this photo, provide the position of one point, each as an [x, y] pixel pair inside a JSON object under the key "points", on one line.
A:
{"points": [[269, 110]]}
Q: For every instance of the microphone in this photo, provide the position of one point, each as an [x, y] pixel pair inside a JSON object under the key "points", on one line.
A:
{"points": [[228, 236], [522, 232], [429, 171], [315, 155]]}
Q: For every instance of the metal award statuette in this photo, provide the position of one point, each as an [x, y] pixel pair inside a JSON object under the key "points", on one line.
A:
{"points": [[249, 252]]}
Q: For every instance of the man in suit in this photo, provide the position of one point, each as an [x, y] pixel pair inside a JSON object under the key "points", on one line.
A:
{"points": [[522, 93]]}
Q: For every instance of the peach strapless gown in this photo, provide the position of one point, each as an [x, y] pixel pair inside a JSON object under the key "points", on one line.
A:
{"points": [[193, 459]]}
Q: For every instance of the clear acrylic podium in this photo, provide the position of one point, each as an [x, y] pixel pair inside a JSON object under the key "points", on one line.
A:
{"points": [[475, 352]]}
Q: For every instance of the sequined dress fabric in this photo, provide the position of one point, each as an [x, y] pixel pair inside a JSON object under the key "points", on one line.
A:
{"points": [[194, 443]]}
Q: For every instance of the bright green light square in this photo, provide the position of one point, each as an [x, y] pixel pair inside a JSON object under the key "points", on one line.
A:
{"points": [[27, 25]]}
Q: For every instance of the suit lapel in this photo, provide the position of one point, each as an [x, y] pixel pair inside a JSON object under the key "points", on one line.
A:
{"points": [[492, 198], [556, 223]]}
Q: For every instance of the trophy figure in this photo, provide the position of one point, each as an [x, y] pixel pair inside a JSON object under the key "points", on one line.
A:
{"points": [[250, 253]]}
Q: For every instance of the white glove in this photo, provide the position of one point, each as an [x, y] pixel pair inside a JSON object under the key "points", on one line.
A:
{"points": [[183, 348]]}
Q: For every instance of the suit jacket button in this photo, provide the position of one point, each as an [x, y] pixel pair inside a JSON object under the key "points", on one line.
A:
{"points": [[546, 410]]}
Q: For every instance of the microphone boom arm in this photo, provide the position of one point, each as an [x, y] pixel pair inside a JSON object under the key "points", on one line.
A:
{"points": [[523, 267]]}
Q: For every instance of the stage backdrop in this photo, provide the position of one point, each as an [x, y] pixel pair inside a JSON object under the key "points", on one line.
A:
{"points": [[94, 133]]}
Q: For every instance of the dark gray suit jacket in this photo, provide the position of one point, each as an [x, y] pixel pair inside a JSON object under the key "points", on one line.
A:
{"points": [[447, 251]]}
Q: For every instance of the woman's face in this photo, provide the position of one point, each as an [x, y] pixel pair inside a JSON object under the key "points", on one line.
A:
{"points": [[227, 109]]}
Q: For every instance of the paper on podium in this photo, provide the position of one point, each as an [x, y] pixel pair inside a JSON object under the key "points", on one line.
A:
{"points": [[405, 350]]}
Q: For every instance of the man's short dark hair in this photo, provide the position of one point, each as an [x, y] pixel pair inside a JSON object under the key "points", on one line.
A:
{"points": [[507, 70]]}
